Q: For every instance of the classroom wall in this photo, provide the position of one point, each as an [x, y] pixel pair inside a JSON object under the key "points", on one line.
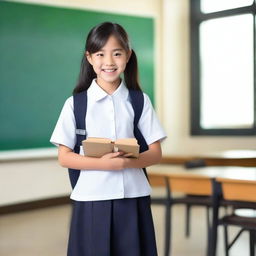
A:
{"points": [[26, 180]]}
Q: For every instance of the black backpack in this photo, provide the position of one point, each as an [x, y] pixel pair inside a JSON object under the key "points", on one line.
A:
{"points": [[80, 109]]}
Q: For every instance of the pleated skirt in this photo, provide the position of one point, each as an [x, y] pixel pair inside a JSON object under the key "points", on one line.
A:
{"points": [[120, 227]]}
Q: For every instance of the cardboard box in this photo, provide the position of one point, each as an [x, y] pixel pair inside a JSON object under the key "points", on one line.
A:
{"points": [[97, 147]]}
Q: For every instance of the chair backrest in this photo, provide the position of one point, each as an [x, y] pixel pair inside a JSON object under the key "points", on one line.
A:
{"points": [[190, 184], [238, 190], [157, 180]]}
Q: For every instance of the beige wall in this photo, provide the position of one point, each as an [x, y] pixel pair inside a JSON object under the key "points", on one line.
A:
{"points": [[31, 180], [28, 180]]}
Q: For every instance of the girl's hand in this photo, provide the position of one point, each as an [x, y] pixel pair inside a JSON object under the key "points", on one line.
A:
{"points": [[127, 155], [112, 155], [113, 161], [121, 160]]}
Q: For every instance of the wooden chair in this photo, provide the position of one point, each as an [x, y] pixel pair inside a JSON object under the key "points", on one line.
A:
{"points": [[239, 194], [190, 165], [187, 183]]}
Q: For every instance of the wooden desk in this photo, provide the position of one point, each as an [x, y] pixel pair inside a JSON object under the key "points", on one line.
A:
{"points": [[186, 183], [186, 177], [239, 190], [222, 158], [236, 179], [194, 185], [228, 172]]}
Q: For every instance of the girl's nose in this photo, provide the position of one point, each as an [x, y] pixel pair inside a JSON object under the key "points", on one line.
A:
{"points": [[109, 60]]}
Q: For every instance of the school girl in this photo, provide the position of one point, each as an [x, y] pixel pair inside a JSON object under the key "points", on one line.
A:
{"points": [[111, 210]]}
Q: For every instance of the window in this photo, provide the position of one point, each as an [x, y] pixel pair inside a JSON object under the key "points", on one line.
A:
{"points": [[223, 67]]}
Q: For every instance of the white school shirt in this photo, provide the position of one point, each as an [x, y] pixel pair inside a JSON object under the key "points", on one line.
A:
{"points": [[108, 116]]}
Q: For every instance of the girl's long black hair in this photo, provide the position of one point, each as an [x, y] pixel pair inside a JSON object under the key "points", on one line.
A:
{"points": [[95, 41]]}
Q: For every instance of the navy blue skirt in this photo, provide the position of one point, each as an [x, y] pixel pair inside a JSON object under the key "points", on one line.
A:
{"points": [[120, 227]]}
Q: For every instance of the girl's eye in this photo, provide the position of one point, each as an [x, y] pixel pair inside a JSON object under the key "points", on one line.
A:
{"points": [[99, 54], [117, 54]]}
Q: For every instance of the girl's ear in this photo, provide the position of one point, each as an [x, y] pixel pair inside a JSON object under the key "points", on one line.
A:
{"points": [[88, 57], [128, 56]]}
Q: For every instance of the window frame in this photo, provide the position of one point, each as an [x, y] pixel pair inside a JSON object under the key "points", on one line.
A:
{"points": [[196, 17]]}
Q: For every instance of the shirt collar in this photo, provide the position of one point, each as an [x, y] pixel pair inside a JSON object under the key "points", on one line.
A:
{"points": [[97, 93]]}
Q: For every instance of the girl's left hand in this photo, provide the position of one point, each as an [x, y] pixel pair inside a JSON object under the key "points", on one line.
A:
{"points": [[127, 155]]}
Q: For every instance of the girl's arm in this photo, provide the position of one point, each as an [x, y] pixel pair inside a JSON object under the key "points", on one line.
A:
{"points": [[152, 156], [112, 161], [67, 158]]}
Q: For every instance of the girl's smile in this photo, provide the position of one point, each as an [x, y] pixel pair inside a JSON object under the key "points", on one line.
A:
{"points": [[109, 70]]}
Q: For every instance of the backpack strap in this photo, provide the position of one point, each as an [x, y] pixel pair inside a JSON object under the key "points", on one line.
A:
{"points": [[137, 100], [80, 108]]}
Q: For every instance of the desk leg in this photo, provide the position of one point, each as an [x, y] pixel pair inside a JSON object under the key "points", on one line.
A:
{"points": [[252, 242], [168, 223], [212, 243], [167, 229]]}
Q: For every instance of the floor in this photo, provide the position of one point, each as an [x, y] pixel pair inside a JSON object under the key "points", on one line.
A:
{"points": [[44, 233]]}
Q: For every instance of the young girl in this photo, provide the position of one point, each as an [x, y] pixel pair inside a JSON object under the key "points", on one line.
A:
{"points": [[111, 211]]}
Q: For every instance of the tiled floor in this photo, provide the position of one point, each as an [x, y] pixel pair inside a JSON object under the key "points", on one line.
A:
{"points": [[44, 233]]}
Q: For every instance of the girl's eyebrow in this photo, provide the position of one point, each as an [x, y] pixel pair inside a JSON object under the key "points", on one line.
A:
{"points": [[114, 50], [118, 49]]}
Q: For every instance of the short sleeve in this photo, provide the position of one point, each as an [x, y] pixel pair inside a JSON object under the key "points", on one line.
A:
{"points": [[64, 131], [149, 123]]}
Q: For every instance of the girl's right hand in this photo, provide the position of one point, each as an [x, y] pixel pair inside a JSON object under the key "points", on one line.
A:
{"points": [[113, 161]]}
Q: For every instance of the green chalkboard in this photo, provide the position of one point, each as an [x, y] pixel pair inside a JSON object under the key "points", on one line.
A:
{"points": [[40, 53]]}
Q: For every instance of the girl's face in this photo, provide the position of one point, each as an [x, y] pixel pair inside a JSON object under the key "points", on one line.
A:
{"points": [[109, 62]]}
